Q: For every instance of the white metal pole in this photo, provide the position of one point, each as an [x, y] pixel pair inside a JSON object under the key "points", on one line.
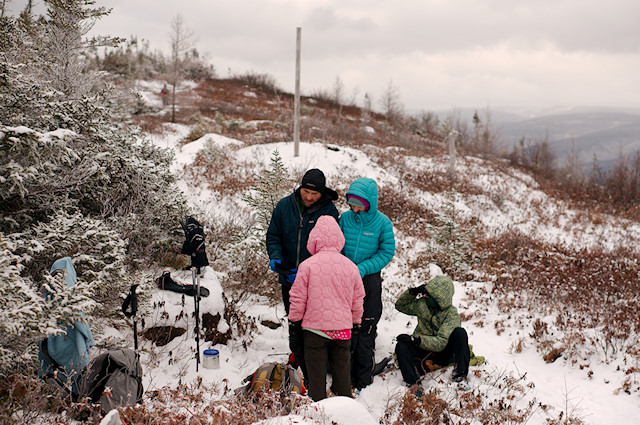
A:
{"points": [[452, 154], [296, 101]]}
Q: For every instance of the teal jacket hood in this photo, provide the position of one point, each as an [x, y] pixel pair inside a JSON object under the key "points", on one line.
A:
{"points": [[369, 238], [366, 188]]}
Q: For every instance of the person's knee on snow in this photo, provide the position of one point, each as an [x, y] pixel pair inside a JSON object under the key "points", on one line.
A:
{"points": [[406, 356], [459, 341]]}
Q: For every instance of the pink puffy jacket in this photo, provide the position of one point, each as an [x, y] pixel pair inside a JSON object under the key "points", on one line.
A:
{"points": [[328, 292]]}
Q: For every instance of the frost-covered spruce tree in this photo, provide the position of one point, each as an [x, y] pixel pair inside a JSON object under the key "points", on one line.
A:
{"points": [[97, 251], [65, 37], [37, 175], [248, 271], [108, 171], [25, 315], [274, 184], [451, 244]]}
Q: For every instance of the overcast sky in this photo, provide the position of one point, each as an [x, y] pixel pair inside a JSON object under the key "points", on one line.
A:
{"points": [[439, 54]]}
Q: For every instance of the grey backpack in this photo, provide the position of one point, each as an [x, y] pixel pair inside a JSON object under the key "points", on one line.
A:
{"points": [[114, 379]]}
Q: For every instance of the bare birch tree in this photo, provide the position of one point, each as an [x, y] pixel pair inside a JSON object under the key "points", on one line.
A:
{"points": [[391, 105], [182, 40]]}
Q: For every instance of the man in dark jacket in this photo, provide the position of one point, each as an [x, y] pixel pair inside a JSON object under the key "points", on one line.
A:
{"points": [[438, 339], [293, 218]]}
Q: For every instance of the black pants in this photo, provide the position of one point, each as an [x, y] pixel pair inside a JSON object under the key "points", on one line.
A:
{"points": [[285, 297], [321, 351], [363, 357], [410, 357], [296, 345]]}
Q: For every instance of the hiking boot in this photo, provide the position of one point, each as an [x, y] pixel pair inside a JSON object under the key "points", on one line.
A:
{"points": [[417, 390], [458, 378], [380, 367]]}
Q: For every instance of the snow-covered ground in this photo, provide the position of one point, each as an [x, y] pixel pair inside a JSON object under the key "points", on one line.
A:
{"points": [[559, 386]]}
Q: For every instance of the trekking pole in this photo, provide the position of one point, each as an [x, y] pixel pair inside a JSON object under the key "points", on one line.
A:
{"points": [[194, 247], [130, 308], [195, 274]]}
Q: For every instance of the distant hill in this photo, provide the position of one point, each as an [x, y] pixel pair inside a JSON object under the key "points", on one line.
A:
{"points": [[606, 133]]}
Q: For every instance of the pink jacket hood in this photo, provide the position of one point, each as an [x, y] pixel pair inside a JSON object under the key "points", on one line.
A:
{"points": [[328, 292], [325, 235]]}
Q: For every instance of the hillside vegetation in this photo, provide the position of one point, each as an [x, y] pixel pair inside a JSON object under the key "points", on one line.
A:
{"points": [[555, 252]]}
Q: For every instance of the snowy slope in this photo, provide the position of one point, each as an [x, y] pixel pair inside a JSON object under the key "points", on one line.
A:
{"points": [[556, 387]]}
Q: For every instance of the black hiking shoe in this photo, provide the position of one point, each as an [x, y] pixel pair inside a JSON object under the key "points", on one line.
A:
{"points": [[458, 378], [417, 390], [380, 367]]}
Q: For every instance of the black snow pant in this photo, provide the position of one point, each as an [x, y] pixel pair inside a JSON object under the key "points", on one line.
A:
{"points": [[296, 345], [285, 297], [320, 352], [411, 358], [363, 356]]}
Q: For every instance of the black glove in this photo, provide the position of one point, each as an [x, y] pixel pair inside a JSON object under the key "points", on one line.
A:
{"points": [[422, 289], [408, 339], [295, 336], [355, 332], [403, 338]]}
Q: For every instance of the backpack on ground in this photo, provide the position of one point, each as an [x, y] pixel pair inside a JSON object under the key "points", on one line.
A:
{"points": [[63, 358], [276, 376], [114, 379]]}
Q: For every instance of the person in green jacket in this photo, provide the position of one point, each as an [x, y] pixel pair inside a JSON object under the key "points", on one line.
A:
{"points": [[438, 339], [370, 244]]}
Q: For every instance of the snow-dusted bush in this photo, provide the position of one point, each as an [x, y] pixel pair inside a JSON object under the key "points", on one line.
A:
{"points": [[134, 190], [110, 175], [26, 316], [98, 253], [63, 145], [33, 181]]}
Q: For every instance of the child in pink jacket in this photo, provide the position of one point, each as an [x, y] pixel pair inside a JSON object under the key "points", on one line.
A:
{"points": [[327, 297]]}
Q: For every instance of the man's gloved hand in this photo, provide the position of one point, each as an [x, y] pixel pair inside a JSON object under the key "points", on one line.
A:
{"points": [[291, 277], [422, 289], [295, 336], [272, 264], [295, 326]]}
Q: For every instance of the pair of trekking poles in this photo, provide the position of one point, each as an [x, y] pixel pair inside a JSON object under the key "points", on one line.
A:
{"points": [[194, 247]]}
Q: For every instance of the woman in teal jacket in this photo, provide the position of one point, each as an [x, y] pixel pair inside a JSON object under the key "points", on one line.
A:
{"points": [[370, 244]]}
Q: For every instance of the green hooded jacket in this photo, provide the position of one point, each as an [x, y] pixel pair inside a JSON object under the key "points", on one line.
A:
{"points": [[434, 326]]}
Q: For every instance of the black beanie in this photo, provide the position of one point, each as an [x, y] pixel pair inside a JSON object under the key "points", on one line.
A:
{"points": [[314, 180]]}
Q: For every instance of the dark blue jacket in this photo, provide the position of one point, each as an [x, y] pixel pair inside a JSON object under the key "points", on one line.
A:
{"points": [[289, 228]]}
